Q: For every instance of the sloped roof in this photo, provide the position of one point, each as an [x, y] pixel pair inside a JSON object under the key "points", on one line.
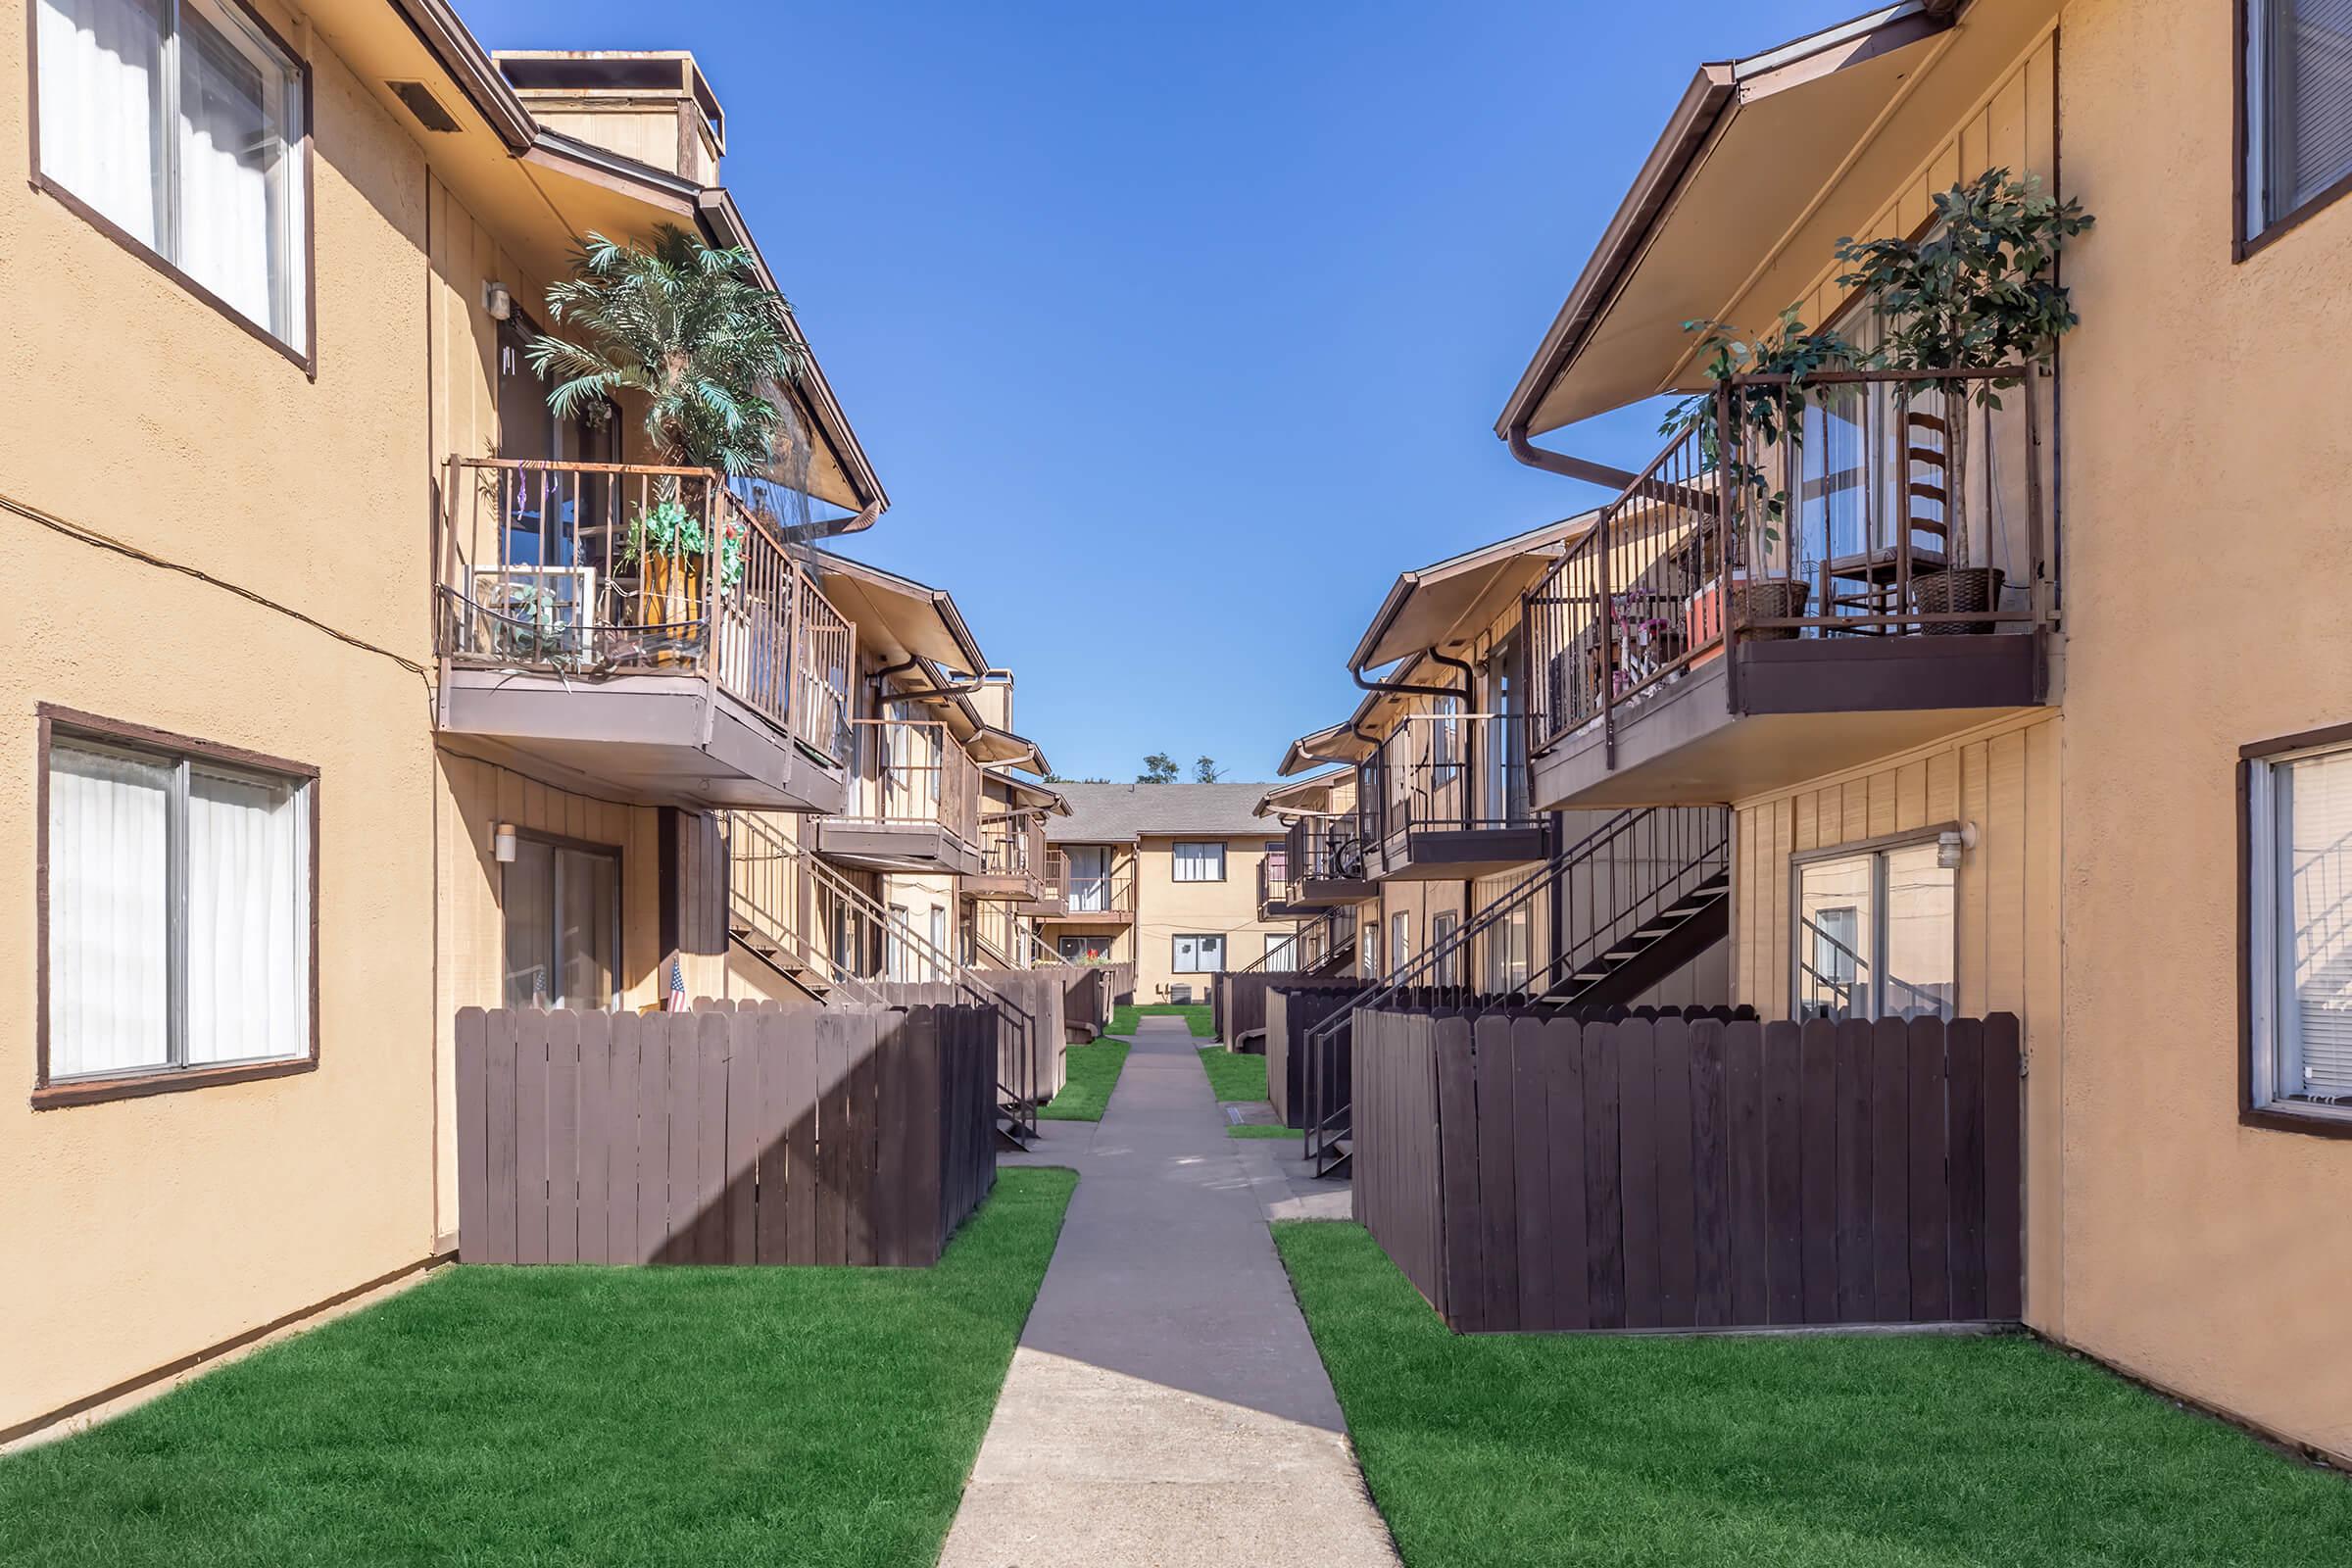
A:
{"points": [[1120, 813]]}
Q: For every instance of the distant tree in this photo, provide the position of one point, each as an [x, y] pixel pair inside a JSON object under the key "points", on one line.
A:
{"points": [[1159, 768], [1204, 771]]}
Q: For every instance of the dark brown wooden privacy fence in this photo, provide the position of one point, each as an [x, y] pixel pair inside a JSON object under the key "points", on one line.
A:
{"points": [[1531, 1172], [1239, 1006], [1293, 1011], [1030, 1039], [782, 1135]]}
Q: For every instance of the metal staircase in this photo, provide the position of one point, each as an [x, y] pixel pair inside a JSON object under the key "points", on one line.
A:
{"points": [[1648, 889], [829, 937]]}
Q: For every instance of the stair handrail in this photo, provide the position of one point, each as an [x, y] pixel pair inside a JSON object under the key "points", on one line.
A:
{"points": [[1329, 1124], [1019, 1101], [1319, 1133], [1662, 893], [786, 934]]}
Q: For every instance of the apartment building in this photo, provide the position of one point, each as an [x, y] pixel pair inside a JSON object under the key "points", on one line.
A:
{"points": [[349, 701], [1165, 877], [2108, 793], [1417, 831]]}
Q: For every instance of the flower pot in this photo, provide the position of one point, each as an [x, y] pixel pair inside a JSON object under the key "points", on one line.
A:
{"points": [[1956, 591], [1762, 599], [672, 600]]}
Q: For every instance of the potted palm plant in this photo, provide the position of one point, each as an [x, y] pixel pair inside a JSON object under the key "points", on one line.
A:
{"points": [[1977, 293], [692, 331]]}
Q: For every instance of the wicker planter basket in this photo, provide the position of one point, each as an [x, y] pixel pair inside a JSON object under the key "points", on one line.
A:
{"points": [[1956, 591], [1770, 599]]}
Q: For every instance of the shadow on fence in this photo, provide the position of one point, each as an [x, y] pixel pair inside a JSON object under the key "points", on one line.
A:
{"points": [[775, 1135], [1528, 1172]]}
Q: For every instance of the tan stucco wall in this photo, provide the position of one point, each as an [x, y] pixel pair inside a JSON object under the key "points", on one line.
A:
{"points": [[149, 1228], [2205, 592], [1165, 906]]}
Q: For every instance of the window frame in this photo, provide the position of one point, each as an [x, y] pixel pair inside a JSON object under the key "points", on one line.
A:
{"points": [[54, 723], [307, 356], [1175, 963], [1176, 860], [2254, 766], [621, 905], [1877, 849], [2243, 241]]}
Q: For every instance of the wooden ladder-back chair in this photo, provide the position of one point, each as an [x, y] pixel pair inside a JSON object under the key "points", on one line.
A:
{"points": [[1871, 583]]}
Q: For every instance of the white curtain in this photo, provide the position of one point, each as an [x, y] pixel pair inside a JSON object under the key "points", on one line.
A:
{"points": [[1199, 862], [102, 107], [108, 913], [232, 157], [248, 921]]}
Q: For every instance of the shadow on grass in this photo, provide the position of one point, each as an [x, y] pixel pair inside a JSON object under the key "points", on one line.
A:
{"points": [[821, 1416], [1847, 1451]]}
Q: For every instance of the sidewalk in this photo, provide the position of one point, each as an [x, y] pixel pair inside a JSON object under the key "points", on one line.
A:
{"points": [[1166, 1406]]}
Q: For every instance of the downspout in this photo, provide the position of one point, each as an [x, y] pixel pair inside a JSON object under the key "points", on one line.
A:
{"points": [[811, 532], [1559, 463]]}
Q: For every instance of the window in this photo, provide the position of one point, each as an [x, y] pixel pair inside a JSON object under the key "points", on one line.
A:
{"points": [[1199, 862], [1200, 954], [1369, 966], [1511, 949], [896, 963], [179, 125], [1089, 878], [1282, 953], [2299, 861], [2298, 108], [1875, 935], [1084, 950], [562, 911], [177, 886], [938, 943], [1448, 971], [1400, 925]]}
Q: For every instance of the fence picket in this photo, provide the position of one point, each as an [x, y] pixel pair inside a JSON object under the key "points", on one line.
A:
{"points": [[1677, 1198], [473, 1042], [1710, 1179], [592, 1160], [530, 1136], [1604, 1213], [1816, 1162], [563, 1162], [1931, 1193]]}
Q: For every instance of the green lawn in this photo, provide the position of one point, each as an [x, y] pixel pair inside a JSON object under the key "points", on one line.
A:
{"points": [[1822, 1452], [1195, 1014], [1234, 1077], [1093, 1072], [1255, 1130], [550, 1416]]}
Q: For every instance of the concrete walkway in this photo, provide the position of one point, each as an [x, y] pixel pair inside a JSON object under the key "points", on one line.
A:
{"points": [[1165, 1406]]}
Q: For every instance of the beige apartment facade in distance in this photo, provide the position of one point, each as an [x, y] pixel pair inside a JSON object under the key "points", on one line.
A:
{"points": [[1165, 877]]}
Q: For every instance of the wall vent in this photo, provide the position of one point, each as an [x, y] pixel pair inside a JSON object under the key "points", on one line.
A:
{"points": [[423, 105]]}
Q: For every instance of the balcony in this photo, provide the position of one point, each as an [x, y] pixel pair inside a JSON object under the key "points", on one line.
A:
{"points": [[1274, 887], [1053, 898], [703, 668], [1099, 899], [1013, 858], [1328, 863], [1447, 799], [1864, 611], [914, 805]]}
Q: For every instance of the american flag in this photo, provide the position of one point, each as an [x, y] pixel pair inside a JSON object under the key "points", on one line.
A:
{"points": [[677, 985]]}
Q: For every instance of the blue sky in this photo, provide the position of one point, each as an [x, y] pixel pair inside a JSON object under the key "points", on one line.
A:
{"points": [[1177, 331]]}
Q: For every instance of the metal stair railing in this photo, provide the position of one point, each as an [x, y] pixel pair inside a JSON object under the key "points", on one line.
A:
{"points": [[1671, 833], [868, 941], [1667, 853], [769, 878]]}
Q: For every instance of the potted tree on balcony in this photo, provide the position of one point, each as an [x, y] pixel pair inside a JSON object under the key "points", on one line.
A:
{"points": [[1765, 416], [691, 331], [1977, 293]]}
